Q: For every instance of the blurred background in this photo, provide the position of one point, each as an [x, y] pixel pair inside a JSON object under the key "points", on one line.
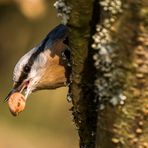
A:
{"points": [[46, 121]]}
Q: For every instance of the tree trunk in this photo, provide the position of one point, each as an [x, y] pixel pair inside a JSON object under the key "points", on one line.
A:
{"points": [[124, 124], [83, 71], [109, 92]]}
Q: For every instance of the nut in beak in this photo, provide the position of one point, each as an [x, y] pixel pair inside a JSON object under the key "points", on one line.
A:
{"points": [[16, 100], [16, 103]]}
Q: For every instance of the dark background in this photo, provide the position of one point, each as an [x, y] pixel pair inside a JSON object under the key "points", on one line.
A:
{"points": [[46, 121]]}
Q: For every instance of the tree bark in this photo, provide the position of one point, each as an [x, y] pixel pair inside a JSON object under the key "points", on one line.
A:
{"points": [[119, 123], [83, 71], [125, 125]]}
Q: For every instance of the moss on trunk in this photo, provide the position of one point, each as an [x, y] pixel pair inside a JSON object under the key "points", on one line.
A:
{"points": [[120, 125], [84, 108]]}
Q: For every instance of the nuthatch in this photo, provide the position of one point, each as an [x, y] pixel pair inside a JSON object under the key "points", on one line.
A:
{"points": [[44, 66]]}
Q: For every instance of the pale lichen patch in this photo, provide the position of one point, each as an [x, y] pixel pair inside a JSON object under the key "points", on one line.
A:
{"points": [[63, 10], [108, 88]]}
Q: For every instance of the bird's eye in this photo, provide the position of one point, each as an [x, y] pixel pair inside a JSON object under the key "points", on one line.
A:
{"points": [[26, 69]]}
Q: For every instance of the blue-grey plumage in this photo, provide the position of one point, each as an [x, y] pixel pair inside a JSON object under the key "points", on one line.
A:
{"points": [[58, 33], [42, 67]]}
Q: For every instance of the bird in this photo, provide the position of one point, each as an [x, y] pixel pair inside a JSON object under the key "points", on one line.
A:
{"points": [[44, 66]]}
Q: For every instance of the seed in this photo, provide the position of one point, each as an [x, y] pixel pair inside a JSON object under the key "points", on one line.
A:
{"points": [[16, 103]]}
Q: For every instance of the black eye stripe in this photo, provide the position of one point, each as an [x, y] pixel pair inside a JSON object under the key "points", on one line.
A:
{"points": [[58, 33], [28, 66], [27, 69]]}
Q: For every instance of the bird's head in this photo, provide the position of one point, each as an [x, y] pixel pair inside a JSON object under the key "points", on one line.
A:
{"points": [[43, 66]]}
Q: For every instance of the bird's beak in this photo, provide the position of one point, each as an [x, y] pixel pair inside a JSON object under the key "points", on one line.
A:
{"points": [[9, 94], [18, 88]]}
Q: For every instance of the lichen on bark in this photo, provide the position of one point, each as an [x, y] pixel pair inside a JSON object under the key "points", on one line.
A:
{"points": [[126, 126], [120, 123], [84, 106]]}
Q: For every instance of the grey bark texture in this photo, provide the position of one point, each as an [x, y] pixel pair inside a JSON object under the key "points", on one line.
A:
{"points": [[121, 125], [84, 108]]}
